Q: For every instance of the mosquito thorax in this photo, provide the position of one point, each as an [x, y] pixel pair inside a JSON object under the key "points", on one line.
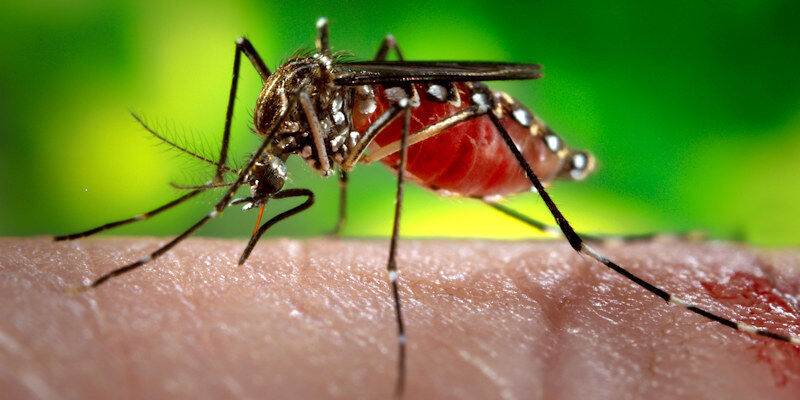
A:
{"points": [[308, 74], [267, 177], [331, 106]]}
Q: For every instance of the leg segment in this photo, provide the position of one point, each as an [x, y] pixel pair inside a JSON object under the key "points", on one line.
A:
{"points": [[391, 265], [427, 132], [316, 134], [363, 142], [580, 246], [552, 230], [541, 226], [323, 43], [218, 208], [139, 217], [207, 186], [388, 43], [342, 203], [152, 256], [278, 218], [242, 46]]}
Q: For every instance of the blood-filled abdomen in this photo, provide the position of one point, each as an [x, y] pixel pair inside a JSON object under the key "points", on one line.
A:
{"points": [[469, 159]]}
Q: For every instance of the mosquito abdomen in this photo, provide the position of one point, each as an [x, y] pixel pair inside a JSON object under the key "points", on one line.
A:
{"points": [[469, 159]]}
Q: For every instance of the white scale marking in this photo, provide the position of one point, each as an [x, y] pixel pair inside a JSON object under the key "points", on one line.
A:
{"points": [[553, 143], [438, 92], [523, 116]]}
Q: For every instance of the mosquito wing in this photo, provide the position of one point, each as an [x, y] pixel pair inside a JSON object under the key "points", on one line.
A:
{"points": [[396, 72]]}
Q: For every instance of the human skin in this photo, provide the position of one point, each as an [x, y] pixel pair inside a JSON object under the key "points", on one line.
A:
{"points": [[314, 319]]}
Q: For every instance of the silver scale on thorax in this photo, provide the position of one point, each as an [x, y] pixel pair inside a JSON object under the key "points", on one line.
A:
{"points": [[333, 107]]}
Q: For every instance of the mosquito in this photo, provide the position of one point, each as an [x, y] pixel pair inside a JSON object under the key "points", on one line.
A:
{"points": [[432, 122]]}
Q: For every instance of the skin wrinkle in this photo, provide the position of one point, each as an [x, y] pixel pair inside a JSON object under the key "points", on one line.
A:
{"points": [[655, 358], [506, 304], [489, 373], [563, 308], [485, 370], [462, 303], [473, 362], [298, 270], [531, 298], [547, 317], [550, 316]]}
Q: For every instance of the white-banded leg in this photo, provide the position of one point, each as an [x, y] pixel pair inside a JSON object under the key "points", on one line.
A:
{"points": [[322, 42], [144, 260], [242, 46], [278, 218], [139, 217], [206, 186], [217, 210], [369, 135], [427, 132], [196, 189], [388, 43], [553, 230], [391, 265], [340, 221], [579, 245], [316, 134]]}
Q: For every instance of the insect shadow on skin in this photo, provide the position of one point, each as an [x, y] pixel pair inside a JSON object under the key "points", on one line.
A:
{"points": [[433, 122]]}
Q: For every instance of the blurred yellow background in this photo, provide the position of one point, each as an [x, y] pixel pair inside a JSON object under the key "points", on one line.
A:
{"points": [[691, 111]]}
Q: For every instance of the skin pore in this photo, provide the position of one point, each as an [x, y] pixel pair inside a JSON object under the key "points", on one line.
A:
{"points": [[313, 319]]}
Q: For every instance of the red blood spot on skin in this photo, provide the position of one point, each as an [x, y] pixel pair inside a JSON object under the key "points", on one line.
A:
{"points": [[757, 302]]}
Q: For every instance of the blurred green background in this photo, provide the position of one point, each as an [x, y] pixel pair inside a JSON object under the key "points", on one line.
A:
{"points": [[690, 109]]}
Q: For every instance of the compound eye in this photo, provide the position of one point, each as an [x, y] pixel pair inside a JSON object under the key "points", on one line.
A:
{"points": [[275, 172], [581, 164], [269, 176]]}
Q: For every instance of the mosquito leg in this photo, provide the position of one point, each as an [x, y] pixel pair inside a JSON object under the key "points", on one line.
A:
{"points": [[427, 132], [388, 43], [218, 208], [206, 186], [152, 256], [196, 188], [278, 218], [579, 245], [342, 203], [243, 200], [369, 135], [242, 46], [221, 205], [139, 217], [540, 226], [323, 43], [391, 265], [316, 134], [553, 230]]}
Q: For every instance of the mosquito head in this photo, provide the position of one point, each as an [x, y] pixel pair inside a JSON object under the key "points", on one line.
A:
{"points": [[267, 178]]}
